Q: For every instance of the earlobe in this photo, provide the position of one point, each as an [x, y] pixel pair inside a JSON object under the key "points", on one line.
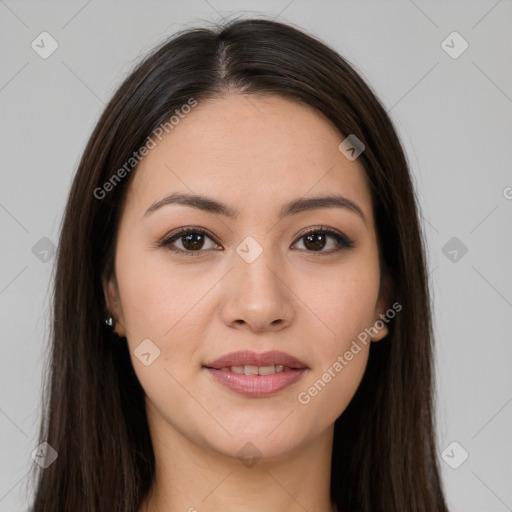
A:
{"points": [[380, 326], [382, 330], [113, 304]]}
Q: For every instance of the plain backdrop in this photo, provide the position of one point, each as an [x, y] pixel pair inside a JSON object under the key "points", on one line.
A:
{"points": [[453, 113]]}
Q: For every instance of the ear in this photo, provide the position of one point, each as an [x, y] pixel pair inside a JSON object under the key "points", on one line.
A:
{"points": [[381, 323], [113, 304]]}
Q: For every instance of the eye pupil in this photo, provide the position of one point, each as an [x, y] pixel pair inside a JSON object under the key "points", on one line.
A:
{"points": [[311, 239], [196, 241]]}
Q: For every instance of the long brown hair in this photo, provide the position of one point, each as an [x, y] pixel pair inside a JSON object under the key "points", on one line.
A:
{"points": [[384, 452]]}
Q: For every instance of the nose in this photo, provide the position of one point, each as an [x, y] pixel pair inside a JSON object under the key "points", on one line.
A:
{"points": [[257, 296]]}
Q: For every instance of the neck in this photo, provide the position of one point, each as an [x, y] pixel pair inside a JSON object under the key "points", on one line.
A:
{"points": [[195, 478]]}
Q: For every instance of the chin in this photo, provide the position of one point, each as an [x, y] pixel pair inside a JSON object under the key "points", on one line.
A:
{"points": [[260, 440]]}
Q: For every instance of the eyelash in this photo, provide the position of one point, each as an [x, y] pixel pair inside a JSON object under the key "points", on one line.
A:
{"points": [[343, 241]]}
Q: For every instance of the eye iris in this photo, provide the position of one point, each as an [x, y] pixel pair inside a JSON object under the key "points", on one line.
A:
{"points": [[193, 241], [311, 239]]}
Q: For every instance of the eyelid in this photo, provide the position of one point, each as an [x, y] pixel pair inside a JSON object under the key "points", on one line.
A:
{"points": [[328, 230]]}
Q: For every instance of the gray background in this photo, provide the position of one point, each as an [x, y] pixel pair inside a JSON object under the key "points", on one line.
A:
{"points": [[453, 115]]}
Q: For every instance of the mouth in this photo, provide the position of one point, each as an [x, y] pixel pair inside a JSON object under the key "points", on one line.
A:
{"points": [[256, 375]]}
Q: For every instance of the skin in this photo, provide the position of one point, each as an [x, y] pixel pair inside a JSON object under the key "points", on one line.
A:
{"points": [[253, 153]]}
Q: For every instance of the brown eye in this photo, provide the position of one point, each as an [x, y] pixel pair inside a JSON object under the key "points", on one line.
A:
{"points": [[316, 240], [191, 240], [194, 241]]}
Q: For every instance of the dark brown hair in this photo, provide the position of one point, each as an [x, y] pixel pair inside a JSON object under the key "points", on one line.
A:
{"points": [[384, 452]]}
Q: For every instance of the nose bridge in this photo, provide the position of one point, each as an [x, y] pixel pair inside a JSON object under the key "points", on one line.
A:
{"points": [[258, 275], [257, 294], [256, 268]]}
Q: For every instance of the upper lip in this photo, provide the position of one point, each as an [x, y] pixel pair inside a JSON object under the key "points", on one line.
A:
{"points": [[246, 357]]}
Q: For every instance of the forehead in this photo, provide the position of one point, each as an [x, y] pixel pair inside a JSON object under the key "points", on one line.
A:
{"points": [[251, 151]]}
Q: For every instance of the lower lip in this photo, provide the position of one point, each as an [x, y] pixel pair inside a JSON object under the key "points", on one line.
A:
{"points": [[256, 385]]}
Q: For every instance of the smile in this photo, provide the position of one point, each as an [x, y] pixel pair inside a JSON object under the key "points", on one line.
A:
{"points": [[256, 375]]}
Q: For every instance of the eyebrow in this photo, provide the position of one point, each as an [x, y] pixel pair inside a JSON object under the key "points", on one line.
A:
{"points": [[293, 207]]}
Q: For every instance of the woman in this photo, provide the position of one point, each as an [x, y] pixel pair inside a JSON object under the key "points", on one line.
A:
{"points": [[241, 311]]}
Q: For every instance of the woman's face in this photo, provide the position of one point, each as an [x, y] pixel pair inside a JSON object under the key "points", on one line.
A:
{"points": [[249, 281]]}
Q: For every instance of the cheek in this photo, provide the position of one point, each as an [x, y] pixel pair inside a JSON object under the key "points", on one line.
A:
{"points": [[344, 311], [327, 394], [166, 304], [343, 303], [157, 297]]}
